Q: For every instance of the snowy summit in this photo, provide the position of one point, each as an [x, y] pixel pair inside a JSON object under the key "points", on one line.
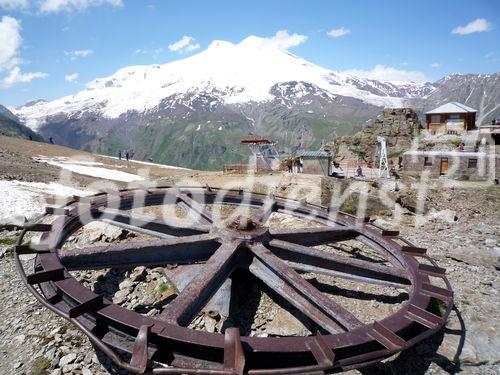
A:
{"points": [[234, 73]]}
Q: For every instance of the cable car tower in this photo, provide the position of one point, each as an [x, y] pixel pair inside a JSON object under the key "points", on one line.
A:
{"points": [[383, 169], [264, 153]]}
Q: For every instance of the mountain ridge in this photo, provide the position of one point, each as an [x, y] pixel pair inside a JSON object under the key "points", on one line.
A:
{"points": [[192, 112]]}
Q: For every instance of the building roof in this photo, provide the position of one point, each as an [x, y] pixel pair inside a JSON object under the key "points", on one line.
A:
{"points": [[446, 153], [452, 107], [315, 154], [255, 140]]}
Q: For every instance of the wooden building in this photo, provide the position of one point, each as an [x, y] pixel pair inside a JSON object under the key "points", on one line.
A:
{"points": [[451, 118]]}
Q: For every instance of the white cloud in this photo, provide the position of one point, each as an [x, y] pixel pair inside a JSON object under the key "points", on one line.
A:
{"points": [[14, 4], [71, 77], [477, 26], [79, 53], [337, 33], [387, 73], [282, 39], [56, 6], [185, 44], [16, 76], [436, 65], [10, 42]]}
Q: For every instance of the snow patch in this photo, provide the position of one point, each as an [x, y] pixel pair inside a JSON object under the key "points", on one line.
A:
{"points": [[76, 166], [28, 199]]}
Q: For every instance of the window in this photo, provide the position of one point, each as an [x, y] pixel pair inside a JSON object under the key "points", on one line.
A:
{"points": [[427, 161], [436, 119], [472, 163], [454, 116]]}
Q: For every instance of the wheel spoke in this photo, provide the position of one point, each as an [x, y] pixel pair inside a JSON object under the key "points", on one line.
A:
{"points": [[194, 209], [148, 253], [300, 293], [307, 259], [150, 225], [314, 236], [199, 291], [262, 214]]}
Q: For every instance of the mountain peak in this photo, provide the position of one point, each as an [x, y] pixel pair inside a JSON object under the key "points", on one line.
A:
{"points": [[252, 41], [220, 44]]}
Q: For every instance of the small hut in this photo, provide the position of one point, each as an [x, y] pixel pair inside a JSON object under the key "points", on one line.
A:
{"points": [[451, 118], [317, 162]]}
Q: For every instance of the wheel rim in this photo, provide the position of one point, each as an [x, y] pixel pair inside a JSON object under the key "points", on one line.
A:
{"points": [[273, 256]]}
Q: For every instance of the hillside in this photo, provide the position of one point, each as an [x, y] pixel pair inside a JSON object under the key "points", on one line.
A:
{"points": [[479, 91], [12, 127], [193, 112]]}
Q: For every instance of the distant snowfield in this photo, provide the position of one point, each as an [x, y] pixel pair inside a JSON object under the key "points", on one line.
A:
{"points": [[20, 199], [89, 168], [149, 163]]}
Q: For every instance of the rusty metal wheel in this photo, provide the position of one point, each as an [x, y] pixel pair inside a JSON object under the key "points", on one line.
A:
{"points": [[277, 257]]}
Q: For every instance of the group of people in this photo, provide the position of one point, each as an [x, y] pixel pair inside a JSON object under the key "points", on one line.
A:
{"points": [[294, 165], [124, 154], [495, 121]]}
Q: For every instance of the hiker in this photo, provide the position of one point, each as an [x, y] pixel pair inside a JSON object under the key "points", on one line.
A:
{"points": [[127, 155], [289, 164], [299, 164], [30, 137], [120, 154], [51, 140], [493, 121], [359, 171]]}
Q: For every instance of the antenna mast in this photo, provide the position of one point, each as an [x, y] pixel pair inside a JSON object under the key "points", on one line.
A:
{"points": [[383, 169]]}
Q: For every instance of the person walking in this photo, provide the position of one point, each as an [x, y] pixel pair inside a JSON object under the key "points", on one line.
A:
{"points": [[51, 140], [299, 164], [127, 155], [289, 164], [120, 154]]}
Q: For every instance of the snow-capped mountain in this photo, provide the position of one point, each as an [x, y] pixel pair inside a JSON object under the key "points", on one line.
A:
{"points": [[232, 74], [193, 112]]}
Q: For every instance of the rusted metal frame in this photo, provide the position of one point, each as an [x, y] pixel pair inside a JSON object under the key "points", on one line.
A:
{"points": [[307, 259], [92, 337], [197, 293], [363, 357], [130, 254], [314, 236], [234, 356], [333, 310], [194, 209], [295, 297], [264, 212], [343, 220], [152, 225]]}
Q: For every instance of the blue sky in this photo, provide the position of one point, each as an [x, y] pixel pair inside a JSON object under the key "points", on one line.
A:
{"points": [[52, 48]]}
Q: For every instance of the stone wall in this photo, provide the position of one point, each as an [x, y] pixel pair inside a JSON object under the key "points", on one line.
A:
{"points": [[398, 125], [459, 165]]}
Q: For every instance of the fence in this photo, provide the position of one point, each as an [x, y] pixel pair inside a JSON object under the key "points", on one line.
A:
{"points": [[350, 166], [243, 168]]}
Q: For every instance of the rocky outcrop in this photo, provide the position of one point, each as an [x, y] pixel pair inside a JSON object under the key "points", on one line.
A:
{"points": [[398, 125]]}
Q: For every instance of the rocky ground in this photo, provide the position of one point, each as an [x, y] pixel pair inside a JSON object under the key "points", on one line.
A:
{"points": [[461, 230]]}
